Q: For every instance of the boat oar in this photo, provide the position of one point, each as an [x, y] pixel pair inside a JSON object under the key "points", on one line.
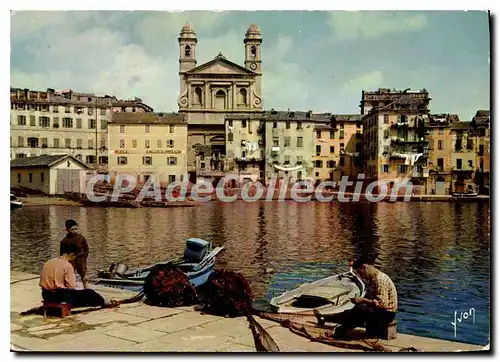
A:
{"points": [[263, 340]]}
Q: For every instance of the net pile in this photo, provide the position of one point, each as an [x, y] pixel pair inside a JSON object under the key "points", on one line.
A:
{"points": [[227, 293], [168, 286]]}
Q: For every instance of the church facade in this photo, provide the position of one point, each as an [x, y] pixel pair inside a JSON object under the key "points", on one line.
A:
{"points": [[211, 91]]}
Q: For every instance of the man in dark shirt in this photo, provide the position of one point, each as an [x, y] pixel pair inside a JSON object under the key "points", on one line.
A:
{"points": [[80, 262]]}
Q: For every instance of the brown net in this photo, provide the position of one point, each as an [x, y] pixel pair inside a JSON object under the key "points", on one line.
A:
{"points": [[168, 286], [227, 293]]}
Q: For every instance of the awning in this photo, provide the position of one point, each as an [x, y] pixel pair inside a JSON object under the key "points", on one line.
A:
{"points": [[293, 168]]}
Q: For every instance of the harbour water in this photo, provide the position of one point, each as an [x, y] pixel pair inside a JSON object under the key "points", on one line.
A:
{"points": [[438, 254]]}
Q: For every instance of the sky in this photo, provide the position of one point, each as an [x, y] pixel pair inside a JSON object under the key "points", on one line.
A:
{"points": [[311, 60]]}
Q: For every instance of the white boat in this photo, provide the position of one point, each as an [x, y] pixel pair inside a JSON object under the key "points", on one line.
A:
{"points": [[15, 203], [329, 296]]}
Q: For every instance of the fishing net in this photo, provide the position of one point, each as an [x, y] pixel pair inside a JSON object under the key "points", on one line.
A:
{"points": [[227, 293], [168, 286]]}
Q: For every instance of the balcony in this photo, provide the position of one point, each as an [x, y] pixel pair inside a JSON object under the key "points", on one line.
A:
{"points": [[402, 140], [275, 149], [464, 168]]}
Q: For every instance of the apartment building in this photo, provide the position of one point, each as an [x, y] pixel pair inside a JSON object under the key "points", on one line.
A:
{"points": [[480, 129], [338, 147], [440, 151], [395, 139], [144, 145], [463, 157], [66, 122]]}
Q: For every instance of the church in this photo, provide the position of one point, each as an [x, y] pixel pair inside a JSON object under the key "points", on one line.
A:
{"points": [[211, 91]]}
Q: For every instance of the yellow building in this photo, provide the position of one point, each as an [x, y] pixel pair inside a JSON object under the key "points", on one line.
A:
{"points": [[54, 123], [338, 148], [463, 157], [395, 140], [148, 144], [480, 127], [50, 174]]}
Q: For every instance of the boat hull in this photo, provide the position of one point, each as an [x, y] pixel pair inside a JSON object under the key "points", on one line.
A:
{"points": [[329, 296]]}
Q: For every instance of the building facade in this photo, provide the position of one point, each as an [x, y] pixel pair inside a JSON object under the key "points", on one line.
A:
{"points": [[338, 148], [395, 139], [463, 158], [66, 122], [480, 129], [145, 145], [208, 92]]}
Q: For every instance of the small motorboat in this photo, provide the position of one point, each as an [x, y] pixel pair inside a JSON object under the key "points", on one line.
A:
{"points": [[329, 296], [197, 263], [15, 203]]}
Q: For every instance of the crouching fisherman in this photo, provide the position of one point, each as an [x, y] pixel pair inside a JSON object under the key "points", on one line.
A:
{"points": [[58, 282]]}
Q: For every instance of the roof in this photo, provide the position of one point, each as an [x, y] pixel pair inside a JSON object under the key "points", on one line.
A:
{"points": [[220, 58], [148, 118], [460, 126], [43, 161]]}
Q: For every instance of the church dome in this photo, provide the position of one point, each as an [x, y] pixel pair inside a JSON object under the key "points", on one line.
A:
{"points": [[253, 29], [187, 29]]}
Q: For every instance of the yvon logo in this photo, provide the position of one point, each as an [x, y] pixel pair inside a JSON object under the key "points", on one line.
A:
{"points": [[463, 316]]}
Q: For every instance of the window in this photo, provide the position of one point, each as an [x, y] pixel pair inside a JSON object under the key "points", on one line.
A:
{"points": [[147, 160], [67, 122], [55, 109], [170, 143], [103, 160], [32, 142], [56, 142], [104, 123], [146, 143], [21, 120], [67, 142], [44, 121], [386, 133], [90, 111], [441, 131], [122, 160], [56, 122], [276, 142], [20, 155], [481, 150], [159, 144], [230, 137], [402, 169], [103, 111], [134, 143], [332, 149], [299, 141], [147, 128], [244, 124], [459, 163], [92, 124], [299, 160], [318, 149], [341, 134], [481, 132], [275, 124], [67, 109], [287, 160], [318, 164], [18, 178], [187, 51], [332, 135], [470, 163], [103, 143], [385, 169], [230, 123], [318, 134], [122, 128], [91, 144], [341, 161], [30, 177], [171, 178], [440, 144], [122, 143], [79, 143], [42, 177], [32, 121], [172, 161], [44, 142], [20, 141], [386, 118], [78, 123], [287, 125], [171, 128], [341, 147], [288, 141], [299, 125]]}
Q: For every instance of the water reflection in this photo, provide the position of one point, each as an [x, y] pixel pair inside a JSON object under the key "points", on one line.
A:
{"points": [[436, 253]]}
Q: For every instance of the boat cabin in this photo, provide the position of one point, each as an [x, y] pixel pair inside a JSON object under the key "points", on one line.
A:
{"points": [[196, 250]]}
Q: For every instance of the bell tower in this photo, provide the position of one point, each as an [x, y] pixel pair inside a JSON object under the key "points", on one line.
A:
{"points": [[187, 48], [253, 60]]}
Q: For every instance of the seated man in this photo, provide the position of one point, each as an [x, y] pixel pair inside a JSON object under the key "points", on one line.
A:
{"points": [[58, 282], [377, 309]]}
